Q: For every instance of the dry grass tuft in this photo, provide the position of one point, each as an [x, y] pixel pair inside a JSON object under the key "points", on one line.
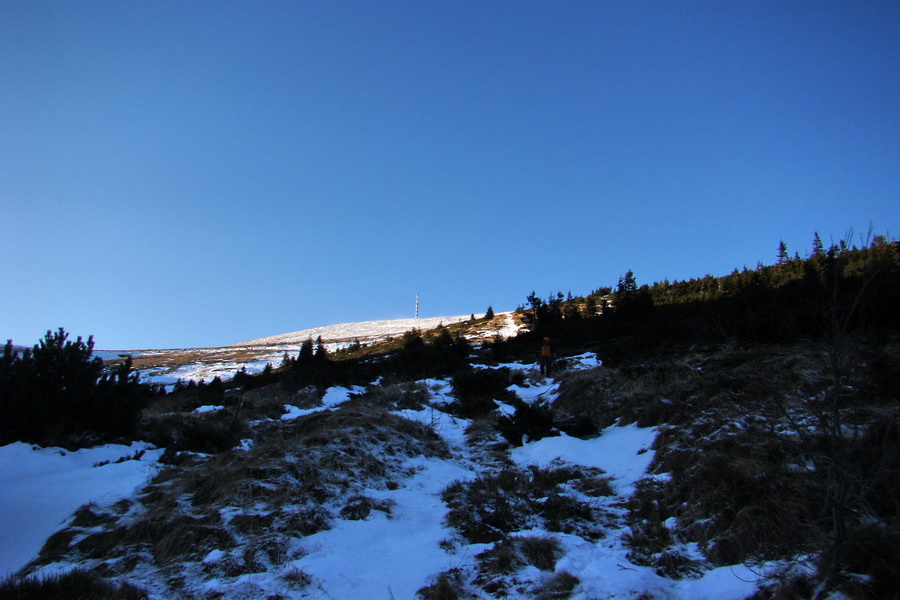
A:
{"points": [[491, 506], [448, 586], [559, 586]]}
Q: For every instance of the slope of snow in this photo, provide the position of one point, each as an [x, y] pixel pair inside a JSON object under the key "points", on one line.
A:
{"points": [[387, 555], [42, 487], [365, 330], [167, 367]]}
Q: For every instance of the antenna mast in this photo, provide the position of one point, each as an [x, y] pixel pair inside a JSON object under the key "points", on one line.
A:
{"points": [[417, 307]]}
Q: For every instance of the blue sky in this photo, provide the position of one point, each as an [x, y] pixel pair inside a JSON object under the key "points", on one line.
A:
{"points": [[188, 173]]}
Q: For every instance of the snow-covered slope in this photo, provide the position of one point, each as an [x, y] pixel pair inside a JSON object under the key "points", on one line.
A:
{"points": [[404, 541], [203, 364], [363, 331]]}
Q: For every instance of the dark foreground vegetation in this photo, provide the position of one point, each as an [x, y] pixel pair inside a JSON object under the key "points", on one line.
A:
{"points": [[776, 392]]}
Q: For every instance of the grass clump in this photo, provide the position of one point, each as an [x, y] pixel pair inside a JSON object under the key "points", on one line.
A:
{"points": [[447, 586], [497, 565], [491, 506], [559, 586]]}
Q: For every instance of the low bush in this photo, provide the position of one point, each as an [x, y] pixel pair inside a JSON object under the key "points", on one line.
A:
{"points": [[529, 422], [588, 401], [477, 390], [58, 393], [491, 506], [209, 433], [72, 585]]}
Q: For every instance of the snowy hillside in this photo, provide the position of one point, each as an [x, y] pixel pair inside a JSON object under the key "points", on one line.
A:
{"points": [[365, 331], [362, 495], [203, 364]]}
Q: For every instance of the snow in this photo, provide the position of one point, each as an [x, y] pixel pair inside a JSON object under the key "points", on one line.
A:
{"points": [[604, 572], [545, 391], [42, 487], [383, 556], [623, 452], [391, 556], [365, 330], [333, 398], [386, 555], [205, 364]]}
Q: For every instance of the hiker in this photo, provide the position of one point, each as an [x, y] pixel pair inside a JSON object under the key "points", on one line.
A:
{"points": [[546, 357]]}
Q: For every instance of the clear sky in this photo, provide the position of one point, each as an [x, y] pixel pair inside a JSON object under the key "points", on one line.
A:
{"points": [[194, 173]]}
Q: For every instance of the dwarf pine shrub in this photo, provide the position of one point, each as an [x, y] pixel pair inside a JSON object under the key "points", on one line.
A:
{"points": [[70, 585], [58, 393], [529, 422]]}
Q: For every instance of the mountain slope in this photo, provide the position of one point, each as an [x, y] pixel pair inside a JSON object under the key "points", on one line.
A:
{"points": [[203, 364]]}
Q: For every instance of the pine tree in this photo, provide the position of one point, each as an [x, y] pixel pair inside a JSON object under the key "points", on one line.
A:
{"points": [[627, 285], [818, 249], [783, 256], [307, 353], [489, 315], [321, 352]]}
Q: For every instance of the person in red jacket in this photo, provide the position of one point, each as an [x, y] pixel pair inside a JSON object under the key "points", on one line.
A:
{"points": [[546, 357]]}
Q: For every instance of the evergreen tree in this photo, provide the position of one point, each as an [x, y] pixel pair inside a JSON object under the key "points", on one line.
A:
{"points": [[489, 315], [783, 256], [321, 354], [627, 285], [818, 249]]}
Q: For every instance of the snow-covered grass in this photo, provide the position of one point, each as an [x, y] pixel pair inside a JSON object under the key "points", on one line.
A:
{"points": [[403, 545], [387, 556]]}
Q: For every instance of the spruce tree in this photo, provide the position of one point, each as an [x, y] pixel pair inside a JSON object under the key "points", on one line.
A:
{"points": [[818, 249], [307, 353], [782, 253]]}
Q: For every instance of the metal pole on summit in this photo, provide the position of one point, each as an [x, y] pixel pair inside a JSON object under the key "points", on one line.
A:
{"points": [[417, 307]]}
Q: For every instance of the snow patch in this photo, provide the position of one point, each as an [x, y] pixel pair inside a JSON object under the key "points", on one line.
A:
{"points": [[42, 487], [623, 452]]}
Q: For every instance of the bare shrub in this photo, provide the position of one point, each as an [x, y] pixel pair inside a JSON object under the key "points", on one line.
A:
{"points": [[90, 515], [594, 486], [208, 433], [530, 422], [488, 507], [508, 555], [297, 577], [308, 521], [477, 389], [676, 565]]}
